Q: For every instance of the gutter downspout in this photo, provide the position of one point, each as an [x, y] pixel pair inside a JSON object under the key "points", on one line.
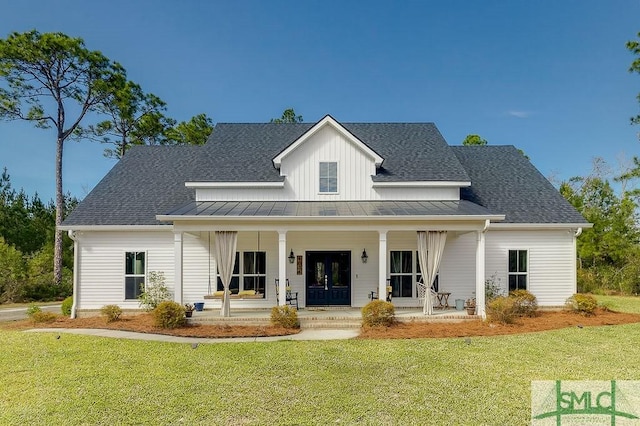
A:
{"points": [[574, 248], [76, 288]]}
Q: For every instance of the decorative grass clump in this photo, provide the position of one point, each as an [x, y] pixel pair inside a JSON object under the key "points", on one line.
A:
{"points": [[111, 312], [169, 314], [525, 303], [502, 309], [506, 309], [43, 316], [285, 316], [583, 304], [378, 313], [67, 304]]}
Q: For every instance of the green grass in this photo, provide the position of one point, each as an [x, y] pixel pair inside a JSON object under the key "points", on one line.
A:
{"points": [[621, 303], [89, 380]]}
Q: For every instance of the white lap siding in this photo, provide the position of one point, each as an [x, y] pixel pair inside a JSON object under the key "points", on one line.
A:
{"points": [[198, 269], [102, 264], [457, 268], [551, 267]]}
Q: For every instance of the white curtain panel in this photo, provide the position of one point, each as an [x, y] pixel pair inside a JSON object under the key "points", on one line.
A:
{"points": [[225, 254], [430, 249]]}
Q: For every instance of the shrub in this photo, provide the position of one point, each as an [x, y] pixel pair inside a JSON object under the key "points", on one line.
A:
{"points": [[284, 316], [32, 310], [502, 309], [155, 292], [525, 303], [492, 288], [378, 313], [67, 304], [111, 312], [12, 273], [43, 316], [169, 314], [584, 304]]}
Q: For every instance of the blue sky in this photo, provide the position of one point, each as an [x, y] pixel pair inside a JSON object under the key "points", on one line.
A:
{"points": [[549, 76]]}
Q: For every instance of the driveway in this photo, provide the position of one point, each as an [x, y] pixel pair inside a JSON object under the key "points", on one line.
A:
{"points": [[13, 314]]}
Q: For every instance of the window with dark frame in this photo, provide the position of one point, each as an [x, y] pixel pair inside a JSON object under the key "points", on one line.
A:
{"points": [[134, 274], [401, 273], [328, 177], [253, 276], [518, 269], [254, 271]]}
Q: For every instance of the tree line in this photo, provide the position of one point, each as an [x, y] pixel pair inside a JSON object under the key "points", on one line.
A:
{"points": [[27, 227]]}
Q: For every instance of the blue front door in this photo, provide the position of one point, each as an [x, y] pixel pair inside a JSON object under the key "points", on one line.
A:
{"points": [[328, 278]]}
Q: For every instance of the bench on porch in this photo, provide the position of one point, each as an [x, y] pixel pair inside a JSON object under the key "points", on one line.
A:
{"points": [[291, 297], [247, 294]]}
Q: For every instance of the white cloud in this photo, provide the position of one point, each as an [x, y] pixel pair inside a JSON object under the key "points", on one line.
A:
{"points": [[519, 114]]}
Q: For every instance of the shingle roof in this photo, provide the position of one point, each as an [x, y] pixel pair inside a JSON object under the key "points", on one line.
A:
{"points": [[412, 151], [149, 181], [504, 181]]}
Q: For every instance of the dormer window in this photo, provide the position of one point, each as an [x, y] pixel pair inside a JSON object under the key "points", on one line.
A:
{"points": [[328, 177]]}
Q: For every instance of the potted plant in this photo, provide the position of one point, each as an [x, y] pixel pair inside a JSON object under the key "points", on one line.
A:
{"points": [[188, 310], [470, 305]]}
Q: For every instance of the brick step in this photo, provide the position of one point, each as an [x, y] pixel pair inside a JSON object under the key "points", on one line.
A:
{"points": [[331, 324]]}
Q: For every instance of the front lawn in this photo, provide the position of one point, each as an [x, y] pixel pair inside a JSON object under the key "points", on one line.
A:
{"points": [[484, 380], [629, 304]]}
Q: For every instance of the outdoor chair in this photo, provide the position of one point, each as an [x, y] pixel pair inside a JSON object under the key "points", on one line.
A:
{"points": [[291, 297], [374, 294], [422, 293]]}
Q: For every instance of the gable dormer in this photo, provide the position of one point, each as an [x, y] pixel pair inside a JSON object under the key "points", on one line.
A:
{"points": [[340, 129], [330, 161]]}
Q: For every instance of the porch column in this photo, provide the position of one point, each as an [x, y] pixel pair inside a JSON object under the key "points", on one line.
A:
{"points": [[177, 269], [282, 268], [480, 275], [382, 266]]}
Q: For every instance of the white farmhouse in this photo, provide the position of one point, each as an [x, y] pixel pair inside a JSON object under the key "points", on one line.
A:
{"points": [[331, 210]]}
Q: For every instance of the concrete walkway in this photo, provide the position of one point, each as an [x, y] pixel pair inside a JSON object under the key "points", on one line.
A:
{"points": [[305, 334]]}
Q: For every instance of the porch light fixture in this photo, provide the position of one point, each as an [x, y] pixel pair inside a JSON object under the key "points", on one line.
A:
{"points": [[364, 256], [292, 257]]}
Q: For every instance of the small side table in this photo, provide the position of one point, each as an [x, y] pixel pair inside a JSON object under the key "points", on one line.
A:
{"points": [[443, 300]]}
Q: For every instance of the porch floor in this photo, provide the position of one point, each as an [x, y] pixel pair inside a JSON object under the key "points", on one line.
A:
{"points": [[326, 317]]}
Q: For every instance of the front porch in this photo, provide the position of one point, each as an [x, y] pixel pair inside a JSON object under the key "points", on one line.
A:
{"points": [[326, 317], [328, 268]]}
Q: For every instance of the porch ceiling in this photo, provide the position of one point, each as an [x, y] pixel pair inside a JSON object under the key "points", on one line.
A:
{"points": [[204, 210]]}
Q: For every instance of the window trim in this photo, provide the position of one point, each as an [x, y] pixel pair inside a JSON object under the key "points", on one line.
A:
{"points": [[125, 275], [518, 273], [412, 273], [255, 275], [241, 275], [337, 191]]}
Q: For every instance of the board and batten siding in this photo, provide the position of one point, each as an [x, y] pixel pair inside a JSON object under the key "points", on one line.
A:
{"points": [[552, 274], [301, 171], [102, 264]]}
